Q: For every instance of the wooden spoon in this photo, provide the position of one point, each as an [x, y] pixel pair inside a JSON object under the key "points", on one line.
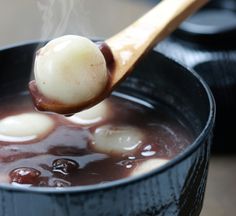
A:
{"points": [[128, 46], [132, 43]]}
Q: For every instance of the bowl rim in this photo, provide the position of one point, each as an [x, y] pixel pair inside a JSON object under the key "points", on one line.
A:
{"points": [[134, 179]]}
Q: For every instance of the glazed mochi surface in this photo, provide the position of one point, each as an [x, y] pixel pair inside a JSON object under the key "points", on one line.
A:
{"points": [[108, 138], [116, 139], [91, 116], [148, 165], [70, 70], [25, 127]]}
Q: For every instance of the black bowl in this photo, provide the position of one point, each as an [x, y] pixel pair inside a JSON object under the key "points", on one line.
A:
{"points": [[220, 74], [177, 188], [217, 66]]}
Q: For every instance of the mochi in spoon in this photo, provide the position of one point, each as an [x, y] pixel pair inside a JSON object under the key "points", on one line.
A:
{"points": [[70, 71], [25, 127]]}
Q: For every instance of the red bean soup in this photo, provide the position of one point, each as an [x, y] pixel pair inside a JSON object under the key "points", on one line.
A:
{"points": [[120, 137]]}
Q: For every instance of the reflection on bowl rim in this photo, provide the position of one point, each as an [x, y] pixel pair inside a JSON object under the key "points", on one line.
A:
{"points": [[133, 179]]}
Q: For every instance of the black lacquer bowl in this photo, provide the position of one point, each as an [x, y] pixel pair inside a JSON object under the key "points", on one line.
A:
{"points": [[177, 188]]}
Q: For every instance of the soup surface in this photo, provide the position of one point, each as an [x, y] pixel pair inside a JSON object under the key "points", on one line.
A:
{"points": [[122, 136]]}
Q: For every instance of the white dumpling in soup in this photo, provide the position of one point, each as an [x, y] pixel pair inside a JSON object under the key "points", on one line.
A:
{"points": [[117, 139], [96, 114], [148, 165], [25, 127]]}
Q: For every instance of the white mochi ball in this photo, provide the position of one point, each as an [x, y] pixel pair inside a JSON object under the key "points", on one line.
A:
{"points": [[148, 165], [71, 70], [91, 116], [25, 127], [117, 139]]}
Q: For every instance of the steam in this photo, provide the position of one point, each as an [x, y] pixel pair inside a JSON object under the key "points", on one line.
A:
{"points": [[61, 17]]}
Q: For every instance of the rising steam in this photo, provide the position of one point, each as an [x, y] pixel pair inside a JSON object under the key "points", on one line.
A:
{"points": [[61, 17]]}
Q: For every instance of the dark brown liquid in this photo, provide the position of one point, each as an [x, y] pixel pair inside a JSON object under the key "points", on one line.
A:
{"points": [[65, 156]]}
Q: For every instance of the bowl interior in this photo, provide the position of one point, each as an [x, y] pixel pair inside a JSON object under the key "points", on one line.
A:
{"points": [[156, 78]]}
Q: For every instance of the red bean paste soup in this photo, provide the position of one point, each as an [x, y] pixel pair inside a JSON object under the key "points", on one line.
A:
{"points": [[120, 137]]}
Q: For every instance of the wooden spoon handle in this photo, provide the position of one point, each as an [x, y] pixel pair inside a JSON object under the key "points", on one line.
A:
{"points": [[134, 41]]}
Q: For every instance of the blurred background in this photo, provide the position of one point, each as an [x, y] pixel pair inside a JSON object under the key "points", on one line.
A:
{"points": [[30, 20], [42, 19]]}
